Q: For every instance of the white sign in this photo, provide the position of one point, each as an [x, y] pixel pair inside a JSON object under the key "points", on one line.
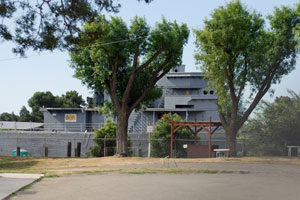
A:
{"points": [[149, 129], [185, 146]]}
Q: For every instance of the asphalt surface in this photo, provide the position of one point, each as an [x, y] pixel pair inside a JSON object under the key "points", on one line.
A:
{"points": [[12, 182], [263, 182]]}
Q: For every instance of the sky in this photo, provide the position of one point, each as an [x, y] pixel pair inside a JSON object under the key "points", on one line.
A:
{"points": [[50, 71]]}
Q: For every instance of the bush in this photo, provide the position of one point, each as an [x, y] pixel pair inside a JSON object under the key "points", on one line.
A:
{"points": [[160, 139], [107, 134]]}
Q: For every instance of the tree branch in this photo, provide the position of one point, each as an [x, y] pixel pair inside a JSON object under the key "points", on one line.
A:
{"points": [[155, 77], [261, 92], [151, 59], [131, 78]]}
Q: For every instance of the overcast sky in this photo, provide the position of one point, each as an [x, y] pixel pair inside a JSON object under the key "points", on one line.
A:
{"points": [[20, 78]]}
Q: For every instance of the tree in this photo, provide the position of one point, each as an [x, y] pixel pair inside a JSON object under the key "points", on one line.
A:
{"points": [[9, 117], [160, 139], [127, 62], [276, 126], [236, 52], [107, 133], [49, 24], [25, 115], [105, 137], [40, 100], [71, 100], [46, 99]]}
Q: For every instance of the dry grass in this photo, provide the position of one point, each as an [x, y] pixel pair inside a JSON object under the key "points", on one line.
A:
{"points": [[63, 166]]}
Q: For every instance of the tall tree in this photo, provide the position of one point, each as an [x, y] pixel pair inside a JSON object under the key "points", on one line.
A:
{"points": [[25, 115], [39, 100], [71, 100], [236, 51], [127, 62], [49, 24]]}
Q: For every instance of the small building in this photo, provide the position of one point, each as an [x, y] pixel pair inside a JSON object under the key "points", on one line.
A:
{"points": [[72, 119]]}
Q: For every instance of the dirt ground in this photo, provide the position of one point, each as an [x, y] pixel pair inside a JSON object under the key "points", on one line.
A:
{"points": [[263, 181]]}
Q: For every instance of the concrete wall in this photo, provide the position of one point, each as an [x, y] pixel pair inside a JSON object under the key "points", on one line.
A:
{"points": [[35, 143]]}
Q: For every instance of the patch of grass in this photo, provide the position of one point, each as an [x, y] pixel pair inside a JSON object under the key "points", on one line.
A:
{"points": [[91, 172], [140, 172], [244, 172], [51, 175], [210, 171], [226, 172]]}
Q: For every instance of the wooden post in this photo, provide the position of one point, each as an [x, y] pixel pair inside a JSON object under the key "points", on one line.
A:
{"points": [[171, 136], [104, 149], [209, 139], [195, 137], [69, 149], [78, 149], [18, 151], [46, 151]]}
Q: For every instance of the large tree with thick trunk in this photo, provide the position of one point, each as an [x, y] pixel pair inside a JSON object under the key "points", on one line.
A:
{"points": [[127, 62], [238, 51]]}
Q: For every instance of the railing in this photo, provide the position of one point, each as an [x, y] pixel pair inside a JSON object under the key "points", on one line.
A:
{"points": [[49, 127]]}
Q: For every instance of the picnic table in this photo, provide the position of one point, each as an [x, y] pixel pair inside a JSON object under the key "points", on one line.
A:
{"points": [[222, 152]]}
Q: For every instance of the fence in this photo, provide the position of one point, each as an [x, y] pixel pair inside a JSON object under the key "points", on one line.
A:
{"points": [[52, 144], [49, 127]]}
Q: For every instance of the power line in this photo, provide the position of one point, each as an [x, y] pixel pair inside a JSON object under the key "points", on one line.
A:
{"points": [[103, 44], [15, 58]]}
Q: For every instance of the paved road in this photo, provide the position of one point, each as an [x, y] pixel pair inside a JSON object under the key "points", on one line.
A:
{"points": [[264, 182], [11, 182]]}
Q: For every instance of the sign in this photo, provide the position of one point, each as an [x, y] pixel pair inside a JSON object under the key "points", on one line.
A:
{"points": [[185, 146], [149, 129], [70, 117]]}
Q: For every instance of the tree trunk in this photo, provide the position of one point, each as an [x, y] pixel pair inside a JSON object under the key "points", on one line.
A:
{"points": [[231, 142], [121, 134]]}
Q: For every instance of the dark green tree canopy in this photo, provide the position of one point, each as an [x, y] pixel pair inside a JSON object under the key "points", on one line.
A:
{"points": [[236, 50], [127, 61], [46, 99], [114, 57], [9, 117], [49, 24]]}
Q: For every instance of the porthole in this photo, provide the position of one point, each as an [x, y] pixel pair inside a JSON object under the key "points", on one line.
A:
{"points": [[211, 92], [205, 92]]}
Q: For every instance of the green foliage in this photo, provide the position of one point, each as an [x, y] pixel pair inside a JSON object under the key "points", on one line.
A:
{"points": [[236, 51], [47, 25], [9, 117], [126, 62], [71, 100], [275, 127], [106, 133], [25, 115], [160, 139], [46, 99], [94, 62]]}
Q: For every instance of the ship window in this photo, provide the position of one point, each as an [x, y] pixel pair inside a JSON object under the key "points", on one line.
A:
{"points": [[184, 106]]}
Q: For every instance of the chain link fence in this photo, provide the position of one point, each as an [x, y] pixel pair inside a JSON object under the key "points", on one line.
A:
{"points": [[140, 145]]}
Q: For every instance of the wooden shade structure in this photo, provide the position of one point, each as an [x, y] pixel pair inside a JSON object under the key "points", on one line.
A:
{"points": [[207, 126]]}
